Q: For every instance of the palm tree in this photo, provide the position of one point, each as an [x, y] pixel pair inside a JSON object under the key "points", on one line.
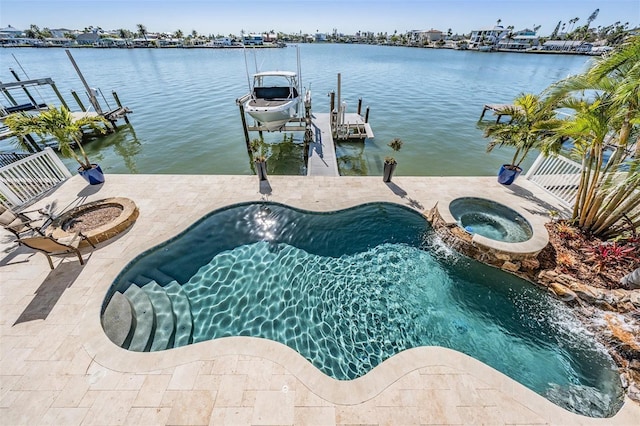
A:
{"points": [[59, 123], [528, 128], [608, 200], [142, 30]]}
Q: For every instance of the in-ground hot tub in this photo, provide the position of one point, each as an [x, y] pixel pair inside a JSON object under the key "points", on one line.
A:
{"points": [[490, 219]]}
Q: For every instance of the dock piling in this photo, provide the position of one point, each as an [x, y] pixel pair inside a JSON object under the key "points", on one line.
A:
{"points": [[78, 101], [57, 92], [117, 99], [15, 75]]}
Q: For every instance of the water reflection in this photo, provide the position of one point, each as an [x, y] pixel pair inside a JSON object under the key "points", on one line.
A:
{"points": [[351, 159], [124, 143]]}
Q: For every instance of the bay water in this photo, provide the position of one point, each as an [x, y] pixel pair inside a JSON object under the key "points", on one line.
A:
{"points": [[185, 119]]}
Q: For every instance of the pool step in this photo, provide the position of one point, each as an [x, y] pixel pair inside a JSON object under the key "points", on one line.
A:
{"points": [[182, 313], [142, 312], [118, 321], [154, 275], [164, 319], [149, 318]]}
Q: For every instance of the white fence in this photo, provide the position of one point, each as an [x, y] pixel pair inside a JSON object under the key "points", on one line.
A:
{"points": [[27, 179], [557, 175]]}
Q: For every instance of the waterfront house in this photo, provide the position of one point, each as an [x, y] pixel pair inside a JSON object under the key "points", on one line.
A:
{"points": [[253, 40], [60, 32], [521, 40], [88, 39], [422, 36], [10, 32], [487, 36], [223, 41]]}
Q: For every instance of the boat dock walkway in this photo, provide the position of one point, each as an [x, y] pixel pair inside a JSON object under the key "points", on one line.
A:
{"points": [[322, 159]]}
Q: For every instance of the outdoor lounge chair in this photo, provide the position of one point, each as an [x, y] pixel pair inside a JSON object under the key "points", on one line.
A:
{"points": [[20, 224], [50, 246]]}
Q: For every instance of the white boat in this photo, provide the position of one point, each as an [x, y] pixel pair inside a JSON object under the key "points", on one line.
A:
{"points": [[274, 98]]}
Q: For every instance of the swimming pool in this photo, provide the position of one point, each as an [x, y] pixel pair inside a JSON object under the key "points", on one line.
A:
{"points": [[349, 289]]}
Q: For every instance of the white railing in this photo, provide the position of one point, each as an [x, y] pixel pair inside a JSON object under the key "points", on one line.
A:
{"points": [[557, 175], [27, 179]]}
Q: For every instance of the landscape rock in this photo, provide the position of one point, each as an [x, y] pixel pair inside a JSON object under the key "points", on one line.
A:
{"points": [[562, 292], [510, 266], [632, 280]]}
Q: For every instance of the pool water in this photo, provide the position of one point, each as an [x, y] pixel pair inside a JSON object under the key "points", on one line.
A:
{"points": [[490, 219], [349, 289]]}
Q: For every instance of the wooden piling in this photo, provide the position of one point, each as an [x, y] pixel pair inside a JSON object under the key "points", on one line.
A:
{"points": [[57, 92], [332, 102], [115, 96], [80, 104], [359, 106], [245, 129], [92, 96], [366, 116]]}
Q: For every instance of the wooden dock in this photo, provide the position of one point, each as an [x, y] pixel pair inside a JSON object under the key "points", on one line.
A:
{"points": [[322, 159]]}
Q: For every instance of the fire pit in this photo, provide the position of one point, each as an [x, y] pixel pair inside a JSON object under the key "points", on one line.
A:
{"points": [[98, 220]]}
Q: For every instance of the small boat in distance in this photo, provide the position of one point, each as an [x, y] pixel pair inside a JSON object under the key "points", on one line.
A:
{"points": [[274, 98]]}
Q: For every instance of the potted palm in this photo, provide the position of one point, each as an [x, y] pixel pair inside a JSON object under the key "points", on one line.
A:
{"points": [[66, 130], [390, 163], [526, 130], [259, 150]]}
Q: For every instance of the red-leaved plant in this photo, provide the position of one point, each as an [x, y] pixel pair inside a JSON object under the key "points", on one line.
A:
{"points": [[609, 254]]}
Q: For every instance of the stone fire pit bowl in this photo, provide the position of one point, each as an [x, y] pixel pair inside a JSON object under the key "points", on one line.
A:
{"points": [[98, 220]]}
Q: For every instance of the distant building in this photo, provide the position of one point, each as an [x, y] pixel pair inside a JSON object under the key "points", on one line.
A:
{"points": [[269, 37], [421, 36], [87, 39], [321, 37], [577, 46], [487, 36], [222, 41], [10, 32], [253, 40], [521, 40], [60, 32]]}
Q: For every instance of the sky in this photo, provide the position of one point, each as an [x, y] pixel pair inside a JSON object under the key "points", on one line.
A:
{"points": [[310, 16]]}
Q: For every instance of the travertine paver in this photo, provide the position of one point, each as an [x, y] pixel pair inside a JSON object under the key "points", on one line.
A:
{"points": [[57, 366]]}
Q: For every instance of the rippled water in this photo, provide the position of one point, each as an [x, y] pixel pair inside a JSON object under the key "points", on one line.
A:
{"points": [[348, 290], [185, 119]]}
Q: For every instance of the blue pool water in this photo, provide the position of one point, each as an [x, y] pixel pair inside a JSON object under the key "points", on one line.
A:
{"points": [[349, 289]]}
